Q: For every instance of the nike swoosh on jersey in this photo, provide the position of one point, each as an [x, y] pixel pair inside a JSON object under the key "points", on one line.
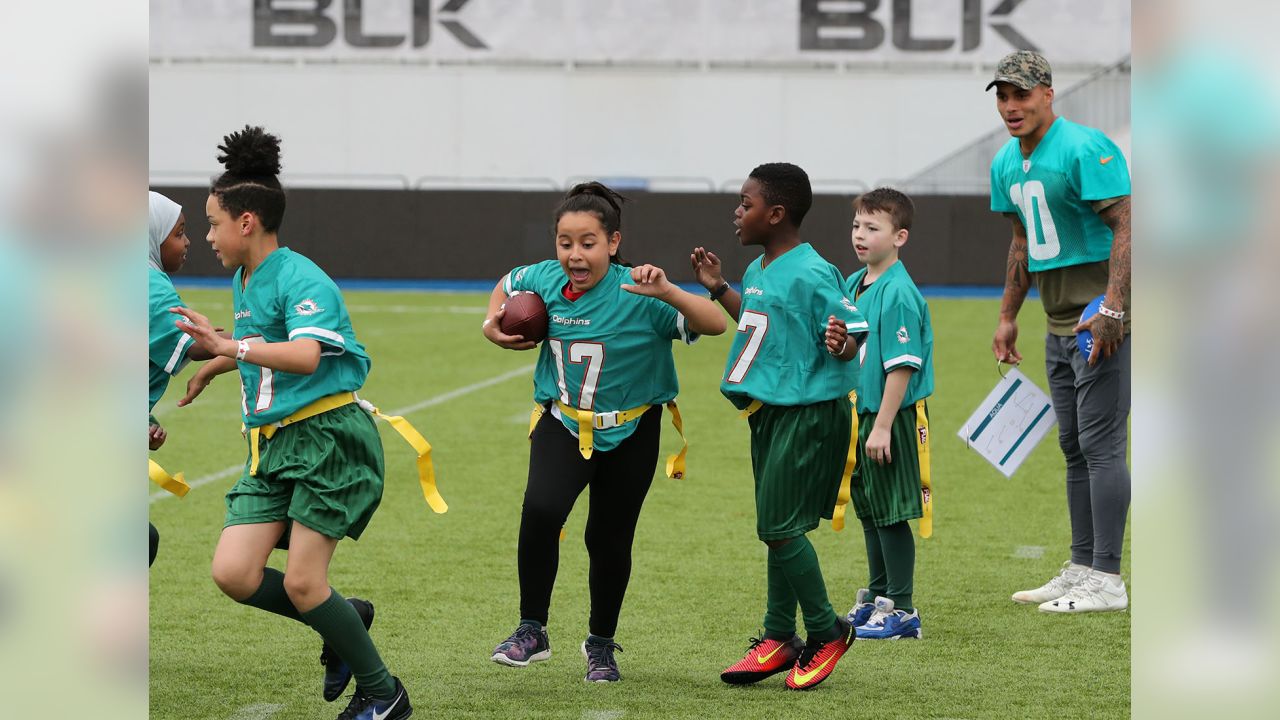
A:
{"points": [[765, 659], [803, 677], [1106, 159]]}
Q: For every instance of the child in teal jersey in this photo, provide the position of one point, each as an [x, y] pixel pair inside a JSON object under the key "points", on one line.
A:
{"points": [[170, 348], [603, 374], [318, 466], [895, 376], [795, 394]]}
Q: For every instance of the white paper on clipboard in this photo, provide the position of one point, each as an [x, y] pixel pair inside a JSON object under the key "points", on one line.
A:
{"points": [[1009, 423]]}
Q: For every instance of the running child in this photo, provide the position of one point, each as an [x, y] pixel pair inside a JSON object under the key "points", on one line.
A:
{"points": [[315, 462], [603, 375]]}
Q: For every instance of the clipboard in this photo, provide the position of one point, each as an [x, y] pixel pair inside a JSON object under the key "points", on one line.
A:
{"points": [[1010, 422]]}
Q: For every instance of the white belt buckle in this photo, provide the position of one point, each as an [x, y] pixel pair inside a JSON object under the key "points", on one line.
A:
{"points": [[604, 421]]}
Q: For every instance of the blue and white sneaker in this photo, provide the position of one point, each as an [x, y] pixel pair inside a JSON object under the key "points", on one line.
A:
{"points": [[887, 623], [862, 610]]}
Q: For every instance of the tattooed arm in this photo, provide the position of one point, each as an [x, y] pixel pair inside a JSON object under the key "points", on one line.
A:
{"points": [[1108, 332], [1017, 281]]}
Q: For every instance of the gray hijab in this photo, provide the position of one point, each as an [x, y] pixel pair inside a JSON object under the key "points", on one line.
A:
{"points": [[163, 218]]}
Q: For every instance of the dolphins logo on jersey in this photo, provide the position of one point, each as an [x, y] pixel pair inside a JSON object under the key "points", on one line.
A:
{"points": [[903, 337], [307, 307]]}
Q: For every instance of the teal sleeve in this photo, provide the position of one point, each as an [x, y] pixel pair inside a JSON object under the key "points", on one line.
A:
{"points": [[168, 344], [314, 308], [514, 280], [901, 335], [1099, 170], [833, 299], [1000, 200], [668, 322]]}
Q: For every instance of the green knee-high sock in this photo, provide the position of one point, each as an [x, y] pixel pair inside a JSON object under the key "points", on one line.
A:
{"points": [[900, 563], [340, 626], [270, 596], [780, 613], [877, 577], [800, 563]]}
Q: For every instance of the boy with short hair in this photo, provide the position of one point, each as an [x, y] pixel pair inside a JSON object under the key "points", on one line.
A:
{"points": [[891, 483], [795, 398]]}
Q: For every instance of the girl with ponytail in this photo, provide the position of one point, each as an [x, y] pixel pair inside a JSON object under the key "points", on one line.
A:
{"points": [[315, 469], [603, 375]]}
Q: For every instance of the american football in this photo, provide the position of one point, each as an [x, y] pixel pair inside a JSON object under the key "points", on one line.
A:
{"points": [[526, 315]]}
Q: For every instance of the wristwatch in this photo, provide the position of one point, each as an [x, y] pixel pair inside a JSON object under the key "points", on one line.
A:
{"points": [[720, 291]]}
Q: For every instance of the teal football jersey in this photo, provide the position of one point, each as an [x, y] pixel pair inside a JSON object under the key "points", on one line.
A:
{"points": [[1052, 192], [289, 297], [779, 354], [901, 335], [608, 350], [168, 344]]}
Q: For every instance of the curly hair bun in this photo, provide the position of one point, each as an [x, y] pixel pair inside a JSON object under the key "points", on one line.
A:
{"points": [[251, 152]]}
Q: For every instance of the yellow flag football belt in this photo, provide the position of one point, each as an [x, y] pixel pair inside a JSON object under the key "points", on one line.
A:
{"points": [[926, 480], [589, 421], [173, 483], [426, 471]]}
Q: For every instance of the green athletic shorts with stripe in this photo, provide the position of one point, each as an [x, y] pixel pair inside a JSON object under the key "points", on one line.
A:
{"points": [[324, 472], [798, 454], [889, 494]]}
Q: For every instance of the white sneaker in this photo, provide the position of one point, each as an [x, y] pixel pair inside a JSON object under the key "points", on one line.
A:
{"points": [[1099, 592], [1067, 578]]}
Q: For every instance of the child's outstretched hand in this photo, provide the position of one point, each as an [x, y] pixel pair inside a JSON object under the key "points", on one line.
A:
{"points": [[837, 335], [203, 332], [649, 280], [706, 268]]}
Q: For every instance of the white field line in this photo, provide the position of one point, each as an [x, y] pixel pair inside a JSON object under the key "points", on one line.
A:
{"points": [[429, 402], [261, 711]]}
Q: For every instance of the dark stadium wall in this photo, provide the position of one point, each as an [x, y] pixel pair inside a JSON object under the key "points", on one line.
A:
{"points": [[480, 234]]}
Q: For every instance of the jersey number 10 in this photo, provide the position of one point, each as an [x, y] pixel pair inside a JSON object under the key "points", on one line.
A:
{"points": [[1029, 197]]}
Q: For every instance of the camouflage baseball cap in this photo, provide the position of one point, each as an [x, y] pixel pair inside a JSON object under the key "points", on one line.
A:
{"points": [[1024, 68]]}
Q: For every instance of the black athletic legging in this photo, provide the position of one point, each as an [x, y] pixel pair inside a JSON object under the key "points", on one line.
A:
{"points": [[619, 480]]}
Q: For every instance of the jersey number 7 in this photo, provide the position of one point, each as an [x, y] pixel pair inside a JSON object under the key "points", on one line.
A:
{"points": [[756, 324]]}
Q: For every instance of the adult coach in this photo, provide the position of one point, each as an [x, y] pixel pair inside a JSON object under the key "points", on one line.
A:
{"points": [[1065, 188]]}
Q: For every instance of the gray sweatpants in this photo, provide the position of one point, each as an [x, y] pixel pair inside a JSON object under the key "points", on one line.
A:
{"points": [[1092, 404]]}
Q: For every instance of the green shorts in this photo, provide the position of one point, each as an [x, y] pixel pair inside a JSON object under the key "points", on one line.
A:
{"points": [[798, 455], [889, 494], [324, 472]]}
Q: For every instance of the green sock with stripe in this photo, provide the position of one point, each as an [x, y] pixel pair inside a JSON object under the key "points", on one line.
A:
{"points": [[341, 627]]}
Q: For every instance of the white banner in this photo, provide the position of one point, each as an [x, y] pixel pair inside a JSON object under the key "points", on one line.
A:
{"points": [[1068, 32]]}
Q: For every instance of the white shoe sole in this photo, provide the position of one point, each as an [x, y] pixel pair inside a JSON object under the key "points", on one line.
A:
{"points": [[1047, 608], [504, 660]]}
